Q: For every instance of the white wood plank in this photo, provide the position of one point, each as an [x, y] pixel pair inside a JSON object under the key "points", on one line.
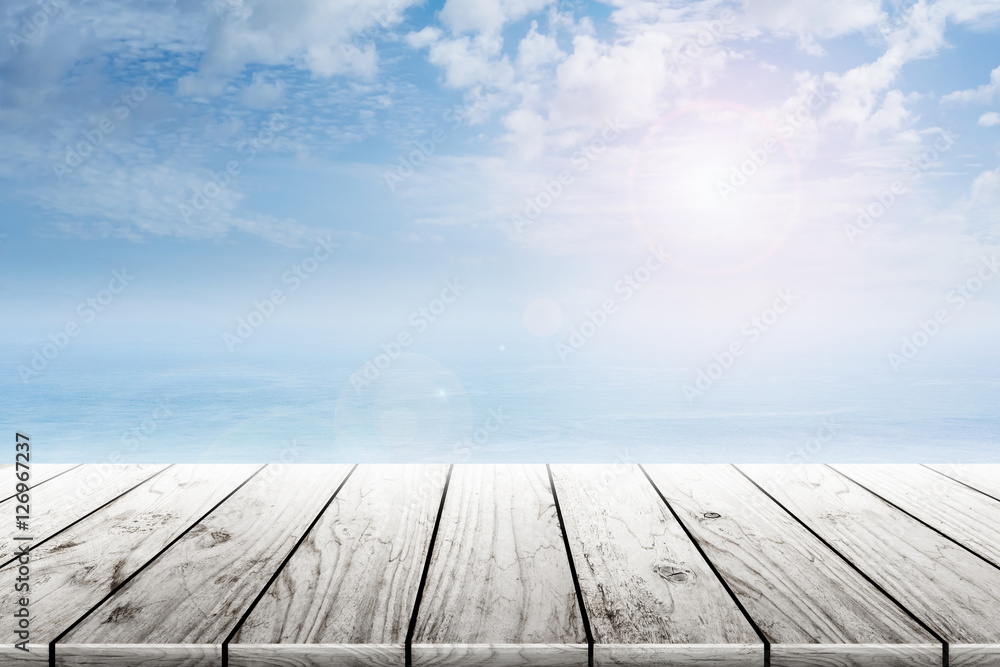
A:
{"points": [[60, 501], [195, 593], [651, 598], [39, 473], [147, 655], [73, 572], [353, 582], [956, 593], [499, 589], [813, 607], [984, 477], [313, 655], [963, 514]]}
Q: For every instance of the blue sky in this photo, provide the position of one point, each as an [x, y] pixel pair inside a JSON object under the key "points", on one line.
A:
{"points": [[642, 178]]}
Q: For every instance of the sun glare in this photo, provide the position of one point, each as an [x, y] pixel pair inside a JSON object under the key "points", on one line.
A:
{"points": [[716, 185]]}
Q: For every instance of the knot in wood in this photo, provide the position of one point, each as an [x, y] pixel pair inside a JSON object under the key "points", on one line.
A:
{"points": [[674, 574]]}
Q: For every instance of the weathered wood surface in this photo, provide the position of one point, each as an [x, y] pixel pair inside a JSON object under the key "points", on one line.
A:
{"points": [[499, 589], [67, 579], [350, 588], [252, 566], [194, 595], [953, 591], [814, 609], [39, 473], [983, 477], [71, 496], [140, 655], [650, 596], [965, 515]]}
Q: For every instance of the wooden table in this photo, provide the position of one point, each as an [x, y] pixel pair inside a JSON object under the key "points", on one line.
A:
{"points": [[483, 565]]}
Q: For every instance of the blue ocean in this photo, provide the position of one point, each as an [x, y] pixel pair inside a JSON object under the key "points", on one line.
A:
{"points": [[422, 408]]}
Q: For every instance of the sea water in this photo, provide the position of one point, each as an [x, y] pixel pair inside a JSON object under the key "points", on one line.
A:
{"points": [[424, 408]]}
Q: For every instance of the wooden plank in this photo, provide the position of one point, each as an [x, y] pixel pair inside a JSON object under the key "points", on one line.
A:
{"points": [[77, 569], [39, 474], [71, 496], [815, 610], [143, 655], [348, 592], [192, 597], [984, 477], [963, 514], [650, 596], [954, 592], [499, 589]]}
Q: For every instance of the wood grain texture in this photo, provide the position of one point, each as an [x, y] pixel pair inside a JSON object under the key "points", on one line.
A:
{"points": [[643, 582], [36, 656], [854, 655], [74, 571], [813, 607], [678, 655], [196, 592], [951, 590], [499, 587], [501, 655], [963, 514], [147, 655], [984, 476], [39, 473], [313, 655], [970, 655], [354, 580], [71, 496]]}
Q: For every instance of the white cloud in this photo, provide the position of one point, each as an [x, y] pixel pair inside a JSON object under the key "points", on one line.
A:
{"points": [[536, 51], [310, 34], [989, 119], [470, 61], [527, 132], [263, 93], [983, 94], [486, 16], [106, 198], [863, 100], [815, 20]]}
